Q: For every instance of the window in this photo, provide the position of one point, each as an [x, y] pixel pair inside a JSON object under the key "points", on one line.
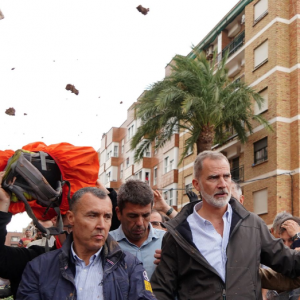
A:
{"points": [[261, 54], [264, 106], [261, 151], [260, 202], [147, 177], [108, 177], [188, 183], [190, 151], [260, 10], [116, 151], [130, 132], [147, 152], [122, 148], [14, 239], [108, 155], [166, 164], [127, 162], [171, 164], [121, 171], [155, 176], [168, 196]]}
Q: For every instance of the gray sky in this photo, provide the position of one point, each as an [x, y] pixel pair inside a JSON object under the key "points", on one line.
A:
{"points": [[107, 49]]}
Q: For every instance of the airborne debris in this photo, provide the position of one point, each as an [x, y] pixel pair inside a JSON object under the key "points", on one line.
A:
{"points": [[1, 15], [121, 102], [142, 10], [12, 69], [25, 114], [10, 111], [71, 87]]}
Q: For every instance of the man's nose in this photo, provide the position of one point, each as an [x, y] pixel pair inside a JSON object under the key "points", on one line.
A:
{"points": [[100, 223], [221, 182], [139, 221]]}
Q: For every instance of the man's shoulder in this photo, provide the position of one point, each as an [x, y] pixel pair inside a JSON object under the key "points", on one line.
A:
{"points": [[44, 258]]}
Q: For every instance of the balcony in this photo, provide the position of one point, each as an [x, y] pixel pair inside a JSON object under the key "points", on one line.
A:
{"points": [[237, 174], [235, 45]]}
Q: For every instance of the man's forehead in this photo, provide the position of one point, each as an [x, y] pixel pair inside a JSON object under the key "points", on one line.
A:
{"points": [[216, 166], [137, 208]]}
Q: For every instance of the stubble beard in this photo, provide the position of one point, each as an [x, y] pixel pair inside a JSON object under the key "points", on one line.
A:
{"points": [[210, 199]]}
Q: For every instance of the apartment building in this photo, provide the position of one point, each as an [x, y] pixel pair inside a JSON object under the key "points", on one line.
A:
{"points": [[264, 51], [157, 168], [261, 37]]}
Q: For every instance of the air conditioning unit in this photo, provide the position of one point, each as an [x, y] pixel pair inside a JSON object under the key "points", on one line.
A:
{"points": [[210, 52], [243, 19]]}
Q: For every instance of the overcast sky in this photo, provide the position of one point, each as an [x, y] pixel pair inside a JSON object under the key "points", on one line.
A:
{"points": [[107, 49]]}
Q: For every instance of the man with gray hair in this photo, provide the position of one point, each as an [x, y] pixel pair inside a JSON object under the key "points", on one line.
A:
{"points": [[136, 234], [90, 264], [213, 249]]}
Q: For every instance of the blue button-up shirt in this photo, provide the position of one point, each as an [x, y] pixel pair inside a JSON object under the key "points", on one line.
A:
{"points": [[89, 279], [146, 252], [208, 241]]}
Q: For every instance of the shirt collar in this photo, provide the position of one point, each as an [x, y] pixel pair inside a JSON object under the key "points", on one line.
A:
{"points": [[92, 258], [227, 215], [153, 235]]}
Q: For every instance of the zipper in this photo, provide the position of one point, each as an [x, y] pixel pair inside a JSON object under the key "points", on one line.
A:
{"points": [[224, 294]]}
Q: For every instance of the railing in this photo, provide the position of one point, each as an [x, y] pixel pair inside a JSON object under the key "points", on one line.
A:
{"points": [[236, 44], [237, 174]]}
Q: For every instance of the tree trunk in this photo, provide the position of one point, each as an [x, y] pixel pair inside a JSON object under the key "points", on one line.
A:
{"points": [[206, 138]]}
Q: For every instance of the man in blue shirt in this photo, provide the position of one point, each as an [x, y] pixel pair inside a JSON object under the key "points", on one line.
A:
{"points": [[136, 234]]}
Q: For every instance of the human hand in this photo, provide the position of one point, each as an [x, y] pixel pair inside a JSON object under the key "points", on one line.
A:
{"points": [[291, 227], [297, 249], [157, 255], [4, 196], [159, 202], [192, 196]]}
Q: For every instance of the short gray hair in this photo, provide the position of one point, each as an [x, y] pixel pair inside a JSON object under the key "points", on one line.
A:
{"points": [[136, 192], [279, 219], [86, 190], [238, 188], [213, 155]]}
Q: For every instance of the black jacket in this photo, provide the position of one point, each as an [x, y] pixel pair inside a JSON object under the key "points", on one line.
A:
{"points": [[14, 260], [184, 271]]}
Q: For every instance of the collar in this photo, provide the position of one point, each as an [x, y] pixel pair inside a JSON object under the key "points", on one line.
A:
{"points": [[227, 215], [153, 234], [92, 258]]}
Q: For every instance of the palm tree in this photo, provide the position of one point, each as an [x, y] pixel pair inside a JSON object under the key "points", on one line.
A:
{"points": [[198, 98]]}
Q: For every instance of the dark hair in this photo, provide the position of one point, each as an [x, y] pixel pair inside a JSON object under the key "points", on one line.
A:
{"points": [[86, 190], [162, 216], [135, 192]]}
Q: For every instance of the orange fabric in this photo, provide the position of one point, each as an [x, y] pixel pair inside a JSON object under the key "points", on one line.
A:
{"points": [[78, 165]]}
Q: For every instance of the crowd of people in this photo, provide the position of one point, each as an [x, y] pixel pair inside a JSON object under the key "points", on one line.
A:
{"points": [[133, 245]]}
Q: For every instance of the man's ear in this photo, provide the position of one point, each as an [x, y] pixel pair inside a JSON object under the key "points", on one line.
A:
{"points": [[118, 213], [242, 199], [70, 217], [196, 184]]}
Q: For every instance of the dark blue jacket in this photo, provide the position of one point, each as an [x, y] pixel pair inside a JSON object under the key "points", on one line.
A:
{"points": [[52, 275]]}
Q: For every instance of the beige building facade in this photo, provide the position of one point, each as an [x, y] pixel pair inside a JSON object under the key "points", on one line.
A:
{"points": [[262, 38]]}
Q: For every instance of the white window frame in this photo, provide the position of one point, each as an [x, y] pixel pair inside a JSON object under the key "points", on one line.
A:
{"points": [[265, 104], [155, 176], [116, 151], [121, 171], [261, 54], [166, 164], [260, 9]]}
